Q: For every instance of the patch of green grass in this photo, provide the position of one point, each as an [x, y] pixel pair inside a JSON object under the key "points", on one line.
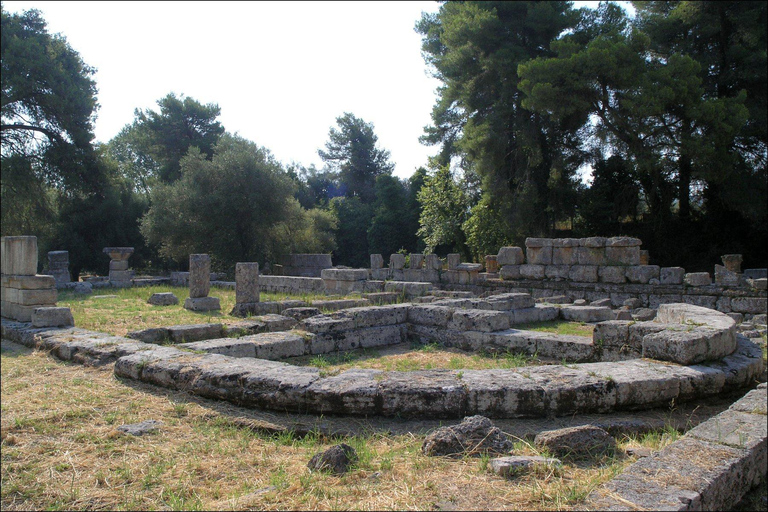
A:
{"points": [[559, 327]]}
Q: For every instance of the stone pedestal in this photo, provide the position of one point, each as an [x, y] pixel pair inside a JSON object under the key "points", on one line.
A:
{"points": [[397, 261], [119, 275], [202, 304], [22, 290], [432, 262], [58, 267]]}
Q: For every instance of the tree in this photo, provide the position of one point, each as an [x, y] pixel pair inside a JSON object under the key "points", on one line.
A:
{"points": [[351, 152], [48, 108], [444, 210], [614, 196], [474, 49], [155, 143], [392, 227], [228, 206]]}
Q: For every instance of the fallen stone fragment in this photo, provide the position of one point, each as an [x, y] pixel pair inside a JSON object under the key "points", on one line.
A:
{"points": [[163, 299], [301, 313], [336, 459], [516, 465], [582, 442], [138, 429], [473, 436], [639, 451]]}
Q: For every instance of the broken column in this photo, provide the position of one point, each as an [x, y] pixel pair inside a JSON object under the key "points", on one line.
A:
{"points": [[119, 275], [246, 288], [26, 294], [200, 285], [58, 267]]}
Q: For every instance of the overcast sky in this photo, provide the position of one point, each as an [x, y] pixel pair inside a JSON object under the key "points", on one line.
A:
{"points": [[281, 72]]}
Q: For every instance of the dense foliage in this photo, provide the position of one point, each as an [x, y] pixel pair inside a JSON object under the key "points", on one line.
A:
{"points": [[549, 121]]}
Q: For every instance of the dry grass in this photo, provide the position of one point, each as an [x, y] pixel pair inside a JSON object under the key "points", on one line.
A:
{"points": [[60, 450]]}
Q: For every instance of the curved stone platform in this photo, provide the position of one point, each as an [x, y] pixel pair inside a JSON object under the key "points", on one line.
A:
{"points": [[543, 391]]}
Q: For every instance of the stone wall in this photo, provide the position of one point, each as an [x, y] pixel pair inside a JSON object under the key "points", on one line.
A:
{"points": [[306, 265]]}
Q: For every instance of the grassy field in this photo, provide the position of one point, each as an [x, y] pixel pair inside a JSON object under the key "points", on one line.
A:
{"points": [[61, 451]]}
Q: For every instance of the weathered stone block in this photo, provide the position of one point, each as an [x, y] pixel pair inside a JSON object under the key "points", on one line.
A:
{"points": [[453, 261], [510, 256], [645, 257], [622, 255], [752, 305], [590, 255], [35, 297], [246, 282], [557, 272], [586, 313], [52, 317], [611, 274], [432, 262], [478, 320], [163, 299], [583, 273], [623, 241], [530, 271], [671, 275], [377, 261], [18, 255], [509, 272], [194, 332], [725, 277], [417, 261], [697, 279], [538, 255], [642, 273], [121, 278], [199, 275], [397, 261], [202, 304]]}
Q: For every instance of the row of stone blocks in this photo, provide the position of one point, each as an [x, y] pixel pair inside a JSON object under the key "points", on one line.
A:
{"points": [[710, 468], [523, 392]]}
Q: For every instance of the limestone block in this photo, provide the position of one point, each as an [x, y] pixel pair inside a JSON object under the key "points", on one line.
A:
{"points": [[366, 337], [199, 276], [645, 257], [756, 273], [52, 317], [417, 261], [565, 251], [478, 320], [697, 279], [537, 313], [509, 272], [510, 256], [679, 346], [732, 262], [118, 265], [453, 260], [121, 278], [430, 315], [163, 299], [594, 242], [557, 272], [510, 467], [590, 255], [705, 301], [725, 277], [36, 297], [538, 255], [671, 275], [202, 304], [450, 276], [413, 274], [622, 255], [586, 313], [397, 261], [491, 264], [18, 255], [583, 273], [36, 282], [623, 241], [379, 274], [611, 333], [758, 284], [585, 441], [538, 242], [530, 271], [194, 332], [642, 273], [246, 282], [752, 305], [432, 262], [430, 276], [58, 259], [723, 305], [509, 301], [407, 288], [377, 261], [611, 274]]}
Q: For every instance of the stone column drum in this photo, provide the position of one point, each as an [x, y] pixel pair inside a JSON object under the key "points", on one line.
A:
{"points": [[200, 285], [58, 266], [119, 275]]}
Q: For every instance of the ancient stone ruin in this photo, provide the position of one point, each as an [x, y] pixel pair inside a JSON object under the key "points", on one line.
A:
{"points": [[200, 285], [119, 274], [58, 267]]}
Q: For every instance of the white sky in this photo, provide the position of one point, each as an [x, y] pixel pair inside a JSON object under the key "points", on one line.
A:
{"points": [[281, 72]]}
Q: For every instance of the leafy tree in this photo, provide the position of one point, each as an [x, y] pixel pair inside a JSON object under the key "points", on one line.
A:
{"points": [[48, 107], [228, 206], [474, 49], [613, 197], [157, 141], [444, 210], [351, 152], [314, 188], [392, 227]]}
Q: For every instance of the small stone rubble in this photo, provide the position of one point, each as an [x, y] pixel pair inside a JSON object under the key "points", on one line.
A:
{"points": [[475, 435]]}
